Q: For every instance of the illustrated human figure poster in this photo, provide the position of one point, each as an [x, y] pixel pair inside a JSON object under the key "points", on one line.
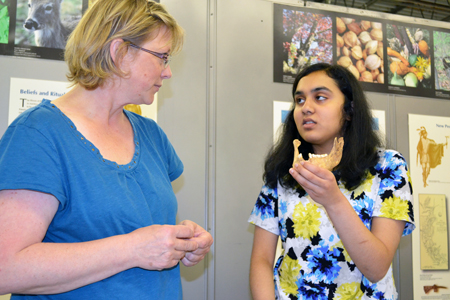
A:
{"points": [[429, 164]]}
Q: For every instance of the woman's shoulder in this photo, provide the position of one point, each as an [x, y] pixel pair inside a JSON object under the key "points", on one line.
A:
{"points": [[44, 115], [147, 128], [389, 157], [140, 120]]}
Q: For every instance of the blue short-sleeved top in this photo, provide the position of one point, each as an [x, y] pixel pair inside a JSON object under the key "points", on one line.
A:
{"points": [[42, 150], [314, 263]]}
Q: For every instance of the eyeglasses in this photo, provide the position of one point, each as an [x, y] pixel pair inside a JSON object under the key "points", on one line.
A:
{"points": [[164, 56]]}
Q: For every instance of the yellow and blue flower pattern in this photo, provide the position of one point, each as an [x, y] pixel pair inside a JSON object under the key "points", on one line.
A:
{"points": [[314, 264]]}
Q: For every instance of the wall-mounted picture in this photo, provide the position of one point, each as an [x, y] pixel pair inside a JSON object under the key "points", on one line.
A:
{"points": [[359, 47], [408, 56], [38, 28], [442, 60], [301, 38], [46, 23], [4, 22], [433, 232]]}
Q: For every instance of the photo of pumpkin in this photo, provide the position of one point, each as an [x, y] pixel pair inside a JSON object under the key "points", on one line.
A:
{"points": [[359, 48], [408, 55]]}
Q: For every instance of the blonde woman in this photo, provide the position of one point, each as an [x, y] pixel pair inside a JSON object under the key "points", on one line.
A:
{"points": [[87, 210]]}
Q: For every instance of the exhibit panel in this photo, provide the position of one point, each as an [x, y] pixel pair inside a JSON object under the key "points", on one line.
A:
{"points": [[182, 113], [425, 121], [245, 95]]}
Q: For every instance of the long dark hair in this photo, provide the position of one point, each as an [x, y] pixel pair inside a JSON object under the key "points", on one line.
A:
{"points": [[360, 140]]}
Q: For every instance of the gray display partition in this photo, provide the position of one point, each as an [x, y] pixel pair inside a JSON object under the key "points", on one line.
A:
{"points": [[183, 114], [217, 110]]}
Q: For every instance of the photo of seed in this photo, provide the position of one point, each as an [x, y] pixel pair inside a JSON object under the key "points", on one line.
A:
{"points": [[359, 48]]}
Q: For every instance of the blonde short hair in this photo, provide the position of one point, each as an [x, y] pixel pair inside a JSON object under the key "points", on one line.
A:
{"points": [[87, 51]]}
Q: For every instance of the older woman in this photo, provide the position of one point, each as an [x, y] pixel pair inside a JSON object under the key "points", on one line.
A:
{"points": [[87, 210]]}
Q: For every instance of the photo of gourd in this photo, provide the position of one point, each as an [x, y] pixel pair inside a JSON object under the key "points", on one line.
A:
{"points": [[441, 41], [359, 48], [409, 56]]}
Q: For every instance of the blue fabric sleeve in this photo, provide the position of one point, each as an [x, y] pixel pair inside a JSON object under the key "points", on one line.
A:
{"points": [[395, 199], [30, 161], [263, 214]]}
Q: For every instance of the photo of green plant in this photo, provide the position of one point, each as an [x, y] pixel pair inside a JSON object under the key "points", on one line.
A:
{"points": [[4, 22], [442, 60]]}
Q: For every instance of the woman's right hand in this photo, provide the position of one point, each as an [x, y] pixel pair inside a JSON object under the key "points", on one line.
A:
{"points": [[159, 247]]}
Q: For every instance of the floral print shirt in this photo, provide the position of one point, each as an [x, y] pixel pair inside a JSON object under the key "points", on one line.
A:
{"points": [[314, 264]]}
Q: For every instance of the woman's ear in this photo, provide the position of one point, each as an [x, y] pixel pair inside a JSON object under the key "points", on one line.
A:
{"points": [[348, 115], [113, 48]]}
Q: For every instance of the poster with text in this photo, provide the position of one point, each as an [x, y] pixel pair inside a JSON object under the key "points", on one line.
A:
{"points": [[379, 123], [280, 110], [429, 164], [27, 93]]}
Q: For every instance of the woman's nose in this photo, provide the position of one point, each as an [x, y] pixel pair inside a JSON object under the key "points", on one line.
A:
{"points": [[308, 107], [166, 73]]}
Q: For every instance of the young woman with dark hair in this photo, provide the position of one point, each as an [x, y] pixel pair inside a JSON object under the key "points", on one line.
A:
{"points": [[339, 229], [357, 157]]}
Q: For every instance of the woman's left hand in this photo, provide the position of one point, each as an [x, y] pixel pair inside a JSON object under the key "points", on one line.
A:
{"points": [[319, 183], [204, 241]]}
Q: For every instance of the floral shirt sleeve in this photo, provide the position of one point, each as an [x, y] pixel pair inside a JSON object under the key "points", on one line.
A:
{"points": [[395, 190], [265, 212]]}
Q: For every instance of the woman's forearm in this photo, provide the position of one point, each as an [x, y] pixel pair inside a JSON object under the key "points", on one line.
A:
{"points": [[48, 268], [261, 265], [261, 280], [371, 251]]}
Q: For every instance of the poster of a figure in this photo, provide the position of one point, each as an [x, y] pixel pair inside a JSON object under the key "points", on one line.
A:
{"points": [[429, 165], [429, 153]]}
